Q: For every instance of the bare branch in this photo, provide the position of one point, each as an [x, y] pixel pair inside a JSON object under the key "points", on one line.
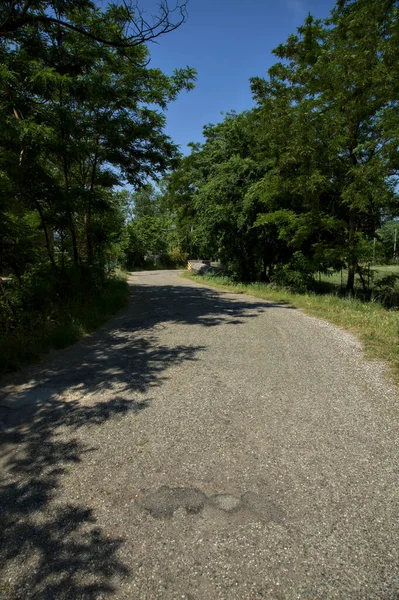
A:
{"points": [[136, 29]]}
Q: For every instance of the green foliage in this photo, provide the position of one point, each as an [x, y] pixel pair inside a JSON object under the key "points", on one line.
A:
{"points": [[81, 115], [78, 118], [153, 239], [18, 242], [385, 290], [45, 313], [207, 190], [387, 235], [301, 183], [177, 258], [146, 202], [296, 276], [148, 236]]}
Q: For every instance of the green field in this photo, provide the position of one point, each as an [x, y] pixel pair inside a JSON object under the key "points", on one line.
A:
{"points": [[372, 275]]}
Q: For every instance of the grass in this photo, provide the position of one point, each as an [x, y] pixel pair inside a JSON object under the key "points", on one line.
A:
{"points": [[376, 273], [376, 326], [77, 318]]}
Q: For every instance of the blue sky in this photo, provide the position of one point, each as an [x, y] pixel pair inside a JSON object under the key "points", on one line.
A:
{"points": [[227, 41]]}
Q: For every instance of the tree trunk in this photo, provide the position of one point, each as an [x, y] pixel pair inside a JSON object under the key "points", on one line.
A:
{"points": [[62, 251], [74, 242], [350, 284], [271, 270], [264, 270], [359, 271], [46, 235], [352, 262], [89, 237]]}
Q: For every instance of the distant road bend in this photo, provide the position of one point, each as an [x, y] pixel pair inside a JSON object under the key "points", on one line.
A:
{"points": [[201, 446]]}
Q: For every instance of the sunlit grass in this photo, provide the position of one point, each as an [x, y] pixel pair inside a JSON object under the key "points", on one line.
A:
{"points": [[371, 275]]}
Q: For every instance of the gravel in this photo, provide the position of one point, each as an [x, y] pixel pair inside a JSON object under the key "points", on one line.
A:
{"points": [[202, 445]]}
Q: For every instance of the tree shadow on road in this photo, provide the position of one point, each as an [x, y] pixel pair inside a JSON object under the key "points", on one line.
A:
{"points": [[56, 551], [192, 305]]}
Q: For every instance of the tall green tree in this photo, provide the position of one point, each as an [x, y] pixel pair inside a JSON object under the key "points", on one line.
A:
{"points": [[207, 193], [329, 112], [78, 118], [301, 183]]}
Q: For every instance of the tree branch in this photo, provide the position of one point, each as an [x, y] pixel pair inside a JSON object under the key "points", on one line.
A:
{"points": [[137, 30]]}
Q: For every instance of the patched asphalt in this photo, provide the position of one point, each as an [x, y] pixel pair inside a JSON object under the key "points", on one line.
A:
{"points": [[202, 445]]}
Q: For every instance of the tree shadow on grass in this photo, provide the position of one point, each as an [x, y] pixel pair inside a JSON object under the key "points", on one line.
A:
{"points": [[53, 551]]}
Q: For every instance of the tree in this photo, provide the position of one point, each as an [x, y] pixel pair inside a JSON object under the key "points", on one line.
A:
{"points": [[388, 237], [78, 118], [121, 25], [207, 192], [301, 183], [146, 202], [329, 109], [147, 237]]}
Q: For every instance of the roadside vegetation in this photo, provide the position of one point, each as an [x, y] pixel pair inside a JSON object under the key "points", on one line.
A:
{"points": [[153, 241], [44, 315], [305, 183], [81, 117], [299, 193], [376, 326], [297, 199]]}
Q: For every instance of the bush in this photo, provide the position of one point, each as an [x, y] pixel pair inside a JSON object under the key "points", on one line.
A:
{"points": [[177, 257], [297, 276], [385, 290]]}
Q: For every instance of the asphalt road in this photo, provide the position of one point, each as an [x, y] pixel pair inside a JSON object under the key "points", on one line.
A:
{"points": [[203, 445]]}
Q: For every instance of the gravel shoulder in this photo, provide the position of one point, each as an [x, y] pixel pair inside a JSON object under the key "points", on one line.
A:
{"points": [[202, 445]]}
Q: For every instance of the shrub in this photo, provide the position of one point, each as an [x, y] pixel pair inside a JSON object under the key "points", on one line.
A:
{"points": [[296, 276], [177, 257], [385, 290]]}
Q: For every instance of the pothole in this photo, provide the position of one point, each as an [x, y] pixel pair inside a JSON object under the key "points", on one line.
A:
{"points": [[163, 502]]}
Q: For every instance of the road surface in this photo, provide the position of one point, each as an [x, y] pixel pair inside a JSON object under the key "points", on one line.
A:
{"points": [[203, 445]]}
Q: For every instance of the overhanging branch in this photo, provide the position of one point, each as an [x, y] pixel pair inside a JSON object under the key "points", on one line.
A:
{"points": [[136, 29]]}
